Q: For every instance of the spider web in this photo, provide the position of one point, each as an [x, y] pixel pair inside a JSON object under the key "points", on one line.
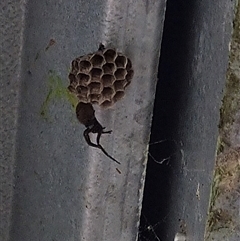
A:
{"points": [[177, 147], [149, 231]]}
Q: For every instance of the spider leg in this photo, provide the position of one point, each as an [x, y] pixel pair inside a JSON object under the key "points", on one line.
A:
{"points": [[98, 137], [105, 152], [88, 140], [106, 132], [101, 147], [99, 130], [99, 133]]}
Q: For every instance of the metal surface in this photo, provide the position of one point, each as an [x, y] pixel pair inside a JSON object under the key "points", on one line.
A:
{"points": [[192, 73], [64, 189], [11, 41]]}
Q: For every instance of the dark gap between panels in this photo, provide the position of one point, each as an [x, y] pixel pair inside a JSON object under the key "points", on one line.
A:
{"points": [[169, 102]]}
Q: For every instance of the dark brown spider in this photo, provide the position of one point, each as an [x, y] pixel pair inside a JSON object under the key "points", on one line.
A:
{"points": [[86, 116]]}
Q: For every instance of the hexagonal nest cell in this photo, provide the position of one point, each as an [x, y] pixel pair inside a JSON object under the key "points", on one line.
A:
{"points": [[101, 77]]}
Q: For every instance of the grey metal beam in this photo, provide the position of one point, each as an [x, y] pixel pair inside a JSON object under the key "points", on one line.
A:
{"points": [[11, 42], [64, 189], [192, 73]]}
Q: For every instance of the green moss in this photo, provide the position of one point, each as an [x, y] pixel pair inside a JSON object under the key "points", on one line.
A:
{"points": [[236, 25], [56, 90], [231, 100], [218, 218], [213, 213], [214, 195], [37, 56]]}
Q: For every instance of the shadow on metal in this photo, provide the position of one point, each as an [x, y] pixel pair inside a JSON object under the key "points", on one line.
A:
{"points": [[186, 113]]}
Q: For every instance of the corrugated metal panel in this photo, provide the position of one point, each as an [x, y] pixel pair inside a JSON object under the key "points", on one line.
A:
{"points": [[64, 189], [192, 73], [11, 42]]}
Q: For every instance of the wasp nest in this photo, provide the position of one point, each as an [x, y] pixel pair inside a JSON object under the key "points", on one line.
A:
{"points": [[100, 77]]}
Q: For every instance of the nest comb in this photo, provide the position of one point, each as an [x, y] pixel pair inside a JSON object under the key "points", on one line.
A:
{"points": [[101, 77]]}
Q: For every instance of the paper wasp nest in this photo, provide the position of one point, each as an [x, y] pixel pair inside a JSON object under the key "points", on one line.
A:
{"points": [[100, 77]]}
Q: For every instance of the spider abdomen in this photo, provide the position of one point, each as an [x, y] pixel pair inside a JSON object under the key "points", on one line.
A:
{"points": [[85, 113]]}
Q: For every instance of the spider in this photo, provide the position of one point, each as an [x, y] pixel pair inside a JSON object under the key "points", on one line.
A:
{"points": [[86, 116]]}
